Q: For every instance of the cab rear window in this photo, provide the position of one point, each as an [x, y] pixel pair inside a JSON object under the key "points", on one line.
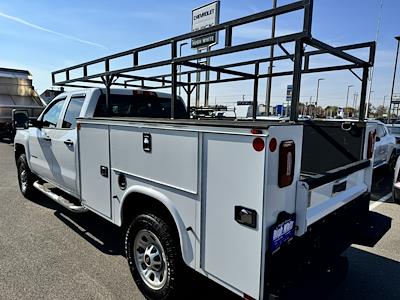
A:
{"points": [[142, 106]]}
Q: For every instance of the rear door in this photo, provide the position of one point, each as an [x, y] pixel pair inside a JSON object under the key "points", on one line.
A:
{"points": [[64, 146], [40, 140]]}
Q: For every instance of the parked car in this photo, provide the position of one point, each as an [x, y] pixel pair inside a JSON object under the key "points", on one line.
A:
{"points": [[396, 182], [386, 151], [394, 130]]}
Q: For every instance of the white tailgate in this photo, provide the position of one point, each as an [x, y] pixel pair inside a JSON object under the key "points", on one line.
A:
{"points": [[321, 201], [314, 203]]}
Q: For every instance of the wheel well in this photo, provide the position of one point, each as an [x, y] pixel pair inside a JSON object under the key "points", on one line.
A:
{"points": [[19, 149], [137, 203]]}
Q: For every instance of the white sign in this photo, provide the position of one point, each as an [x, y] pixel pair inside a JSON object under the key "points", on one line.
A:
{"points": [[204, 17], [289, 92]]}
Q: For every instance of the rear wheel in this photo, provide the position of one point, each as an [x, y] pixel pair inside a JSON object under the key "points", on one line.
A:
{"points": [[392, 160], [153, 253], [25, 176]]}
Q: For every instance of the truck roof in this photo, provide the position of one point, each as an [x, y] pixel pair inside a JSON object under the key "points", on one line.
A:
{"points": [[119, 91]]}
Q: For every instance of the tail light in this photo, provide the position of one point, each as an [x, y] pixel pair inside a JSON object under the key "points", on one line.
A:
{"points": [[286, 163], [371, 144]]}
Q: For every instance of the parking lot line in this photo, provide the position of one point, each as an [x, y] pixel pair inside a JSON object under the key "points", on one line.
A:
{"points": [[380, 201]]}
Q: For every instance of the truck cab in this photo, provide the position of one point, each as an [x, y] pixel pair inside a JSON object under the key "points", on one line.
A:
{"points": [[51, 144]]}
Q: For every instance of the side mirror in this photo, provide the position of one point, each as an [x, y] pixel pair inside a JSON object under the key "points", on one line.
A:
{"points": [[36, 123], [377, 138], [20, 119]]}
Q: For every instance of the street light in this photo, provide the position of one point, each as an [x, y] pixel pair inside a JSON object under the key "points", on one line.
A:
{"points": [[394, 75], [180, 66], [316, 100]]}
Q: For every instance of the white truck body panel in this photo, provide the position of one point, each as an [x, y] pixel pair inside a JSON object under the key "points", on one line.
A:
{"points": [[200, 173], [175, 151], [178, 184]]}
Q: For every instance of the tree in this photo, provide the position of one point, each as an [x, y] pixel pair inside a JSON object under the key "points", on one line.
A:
{"points": [[380, 111]]}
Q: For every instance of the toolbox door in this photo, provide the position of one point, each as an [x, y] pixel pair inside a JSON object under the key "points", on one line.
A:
{"points": [[232, 210], [94, 161]]}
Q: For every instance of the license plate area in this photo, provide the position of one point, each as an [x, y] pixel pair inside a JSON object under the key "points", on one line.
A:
{"points": [[282, 231]]}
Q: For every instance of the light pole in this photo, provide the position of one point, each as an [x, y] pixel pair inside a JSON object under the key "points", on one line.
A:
{"points": [[316, 100], [369, 102], [384, 99], [347, 98], [180, 66], [271, 56], [394, 75], [355, 102]]}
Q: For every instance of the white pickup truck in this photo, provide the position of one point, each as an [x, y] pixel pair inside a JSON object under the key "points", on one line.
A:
{"points": [[239, 201], [216, 195]]}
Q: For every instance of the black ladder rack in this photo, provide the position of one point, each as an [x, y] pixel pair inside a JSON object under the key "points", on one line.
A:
{"points": [[300, 58]]}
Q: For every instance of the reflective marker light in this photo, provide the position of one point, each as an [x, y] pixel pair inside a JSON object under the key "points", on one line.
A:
{"points": [[286, 163], [272, 144], [256, 131]]}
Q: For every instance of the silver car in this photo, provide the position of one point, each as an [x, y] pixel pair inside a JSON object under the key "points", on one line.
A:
{"points": [[396, 182], [385, 152]]}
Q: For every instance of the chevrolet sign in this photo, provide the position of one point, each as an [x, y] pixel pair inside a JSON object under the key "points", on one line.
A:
{"points": [[204, 17]]}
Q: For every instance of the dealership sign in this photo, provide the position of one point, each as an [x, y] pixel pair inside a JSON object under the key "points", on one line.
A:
{"points": [[204, 17], [289, 92]]}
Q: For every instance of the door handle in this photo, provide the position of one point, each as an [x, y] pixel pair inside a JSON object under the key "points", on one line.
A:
{"points": [[68, 142], [104, 171]]}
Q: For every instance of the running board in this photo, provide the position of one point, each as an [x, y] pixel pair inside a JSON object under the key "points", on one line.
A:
{"points": [[60, 199]]}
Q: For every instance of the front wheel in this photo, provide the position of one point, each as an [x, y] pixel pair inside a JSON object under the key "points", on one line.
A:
{"points": [[25, 177], [153, 253]]}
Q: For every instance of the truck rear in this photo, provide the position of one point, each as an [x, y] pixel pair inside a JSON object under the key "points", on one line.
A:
{"points": [[241, 195]]}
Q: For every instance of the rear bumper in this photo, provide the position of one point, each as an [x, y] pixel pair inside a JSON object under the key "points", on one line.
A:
{"points": [[324, 240]]}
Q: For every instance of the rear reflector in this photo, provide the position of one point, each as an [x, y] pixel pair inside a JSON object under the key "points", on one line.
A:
{"points": [[286, 163], [258, 144], [371, 144]]}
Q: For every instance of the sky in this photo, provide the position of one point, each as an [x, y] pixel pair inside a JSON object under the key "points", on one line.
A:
{"points": [[43, 36]]}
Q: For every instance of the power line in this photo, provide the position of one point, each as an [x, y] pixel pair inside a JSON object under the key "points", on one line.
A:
{"points": [[378, 29]]}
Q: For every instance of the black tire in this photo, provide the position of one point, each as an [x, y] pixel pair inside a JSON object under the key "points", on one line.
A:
{"points": [[392, 160], [150, 224], [25, 177]]}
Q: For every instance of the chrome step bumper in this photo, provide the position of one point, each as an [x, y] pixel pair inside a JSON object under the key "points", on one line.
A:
{"points": [[59, 199]]}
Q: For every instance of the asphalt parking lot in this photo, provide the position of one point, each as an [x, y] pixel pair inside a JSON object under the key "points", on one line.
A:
{"points": [[49, 253]]}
